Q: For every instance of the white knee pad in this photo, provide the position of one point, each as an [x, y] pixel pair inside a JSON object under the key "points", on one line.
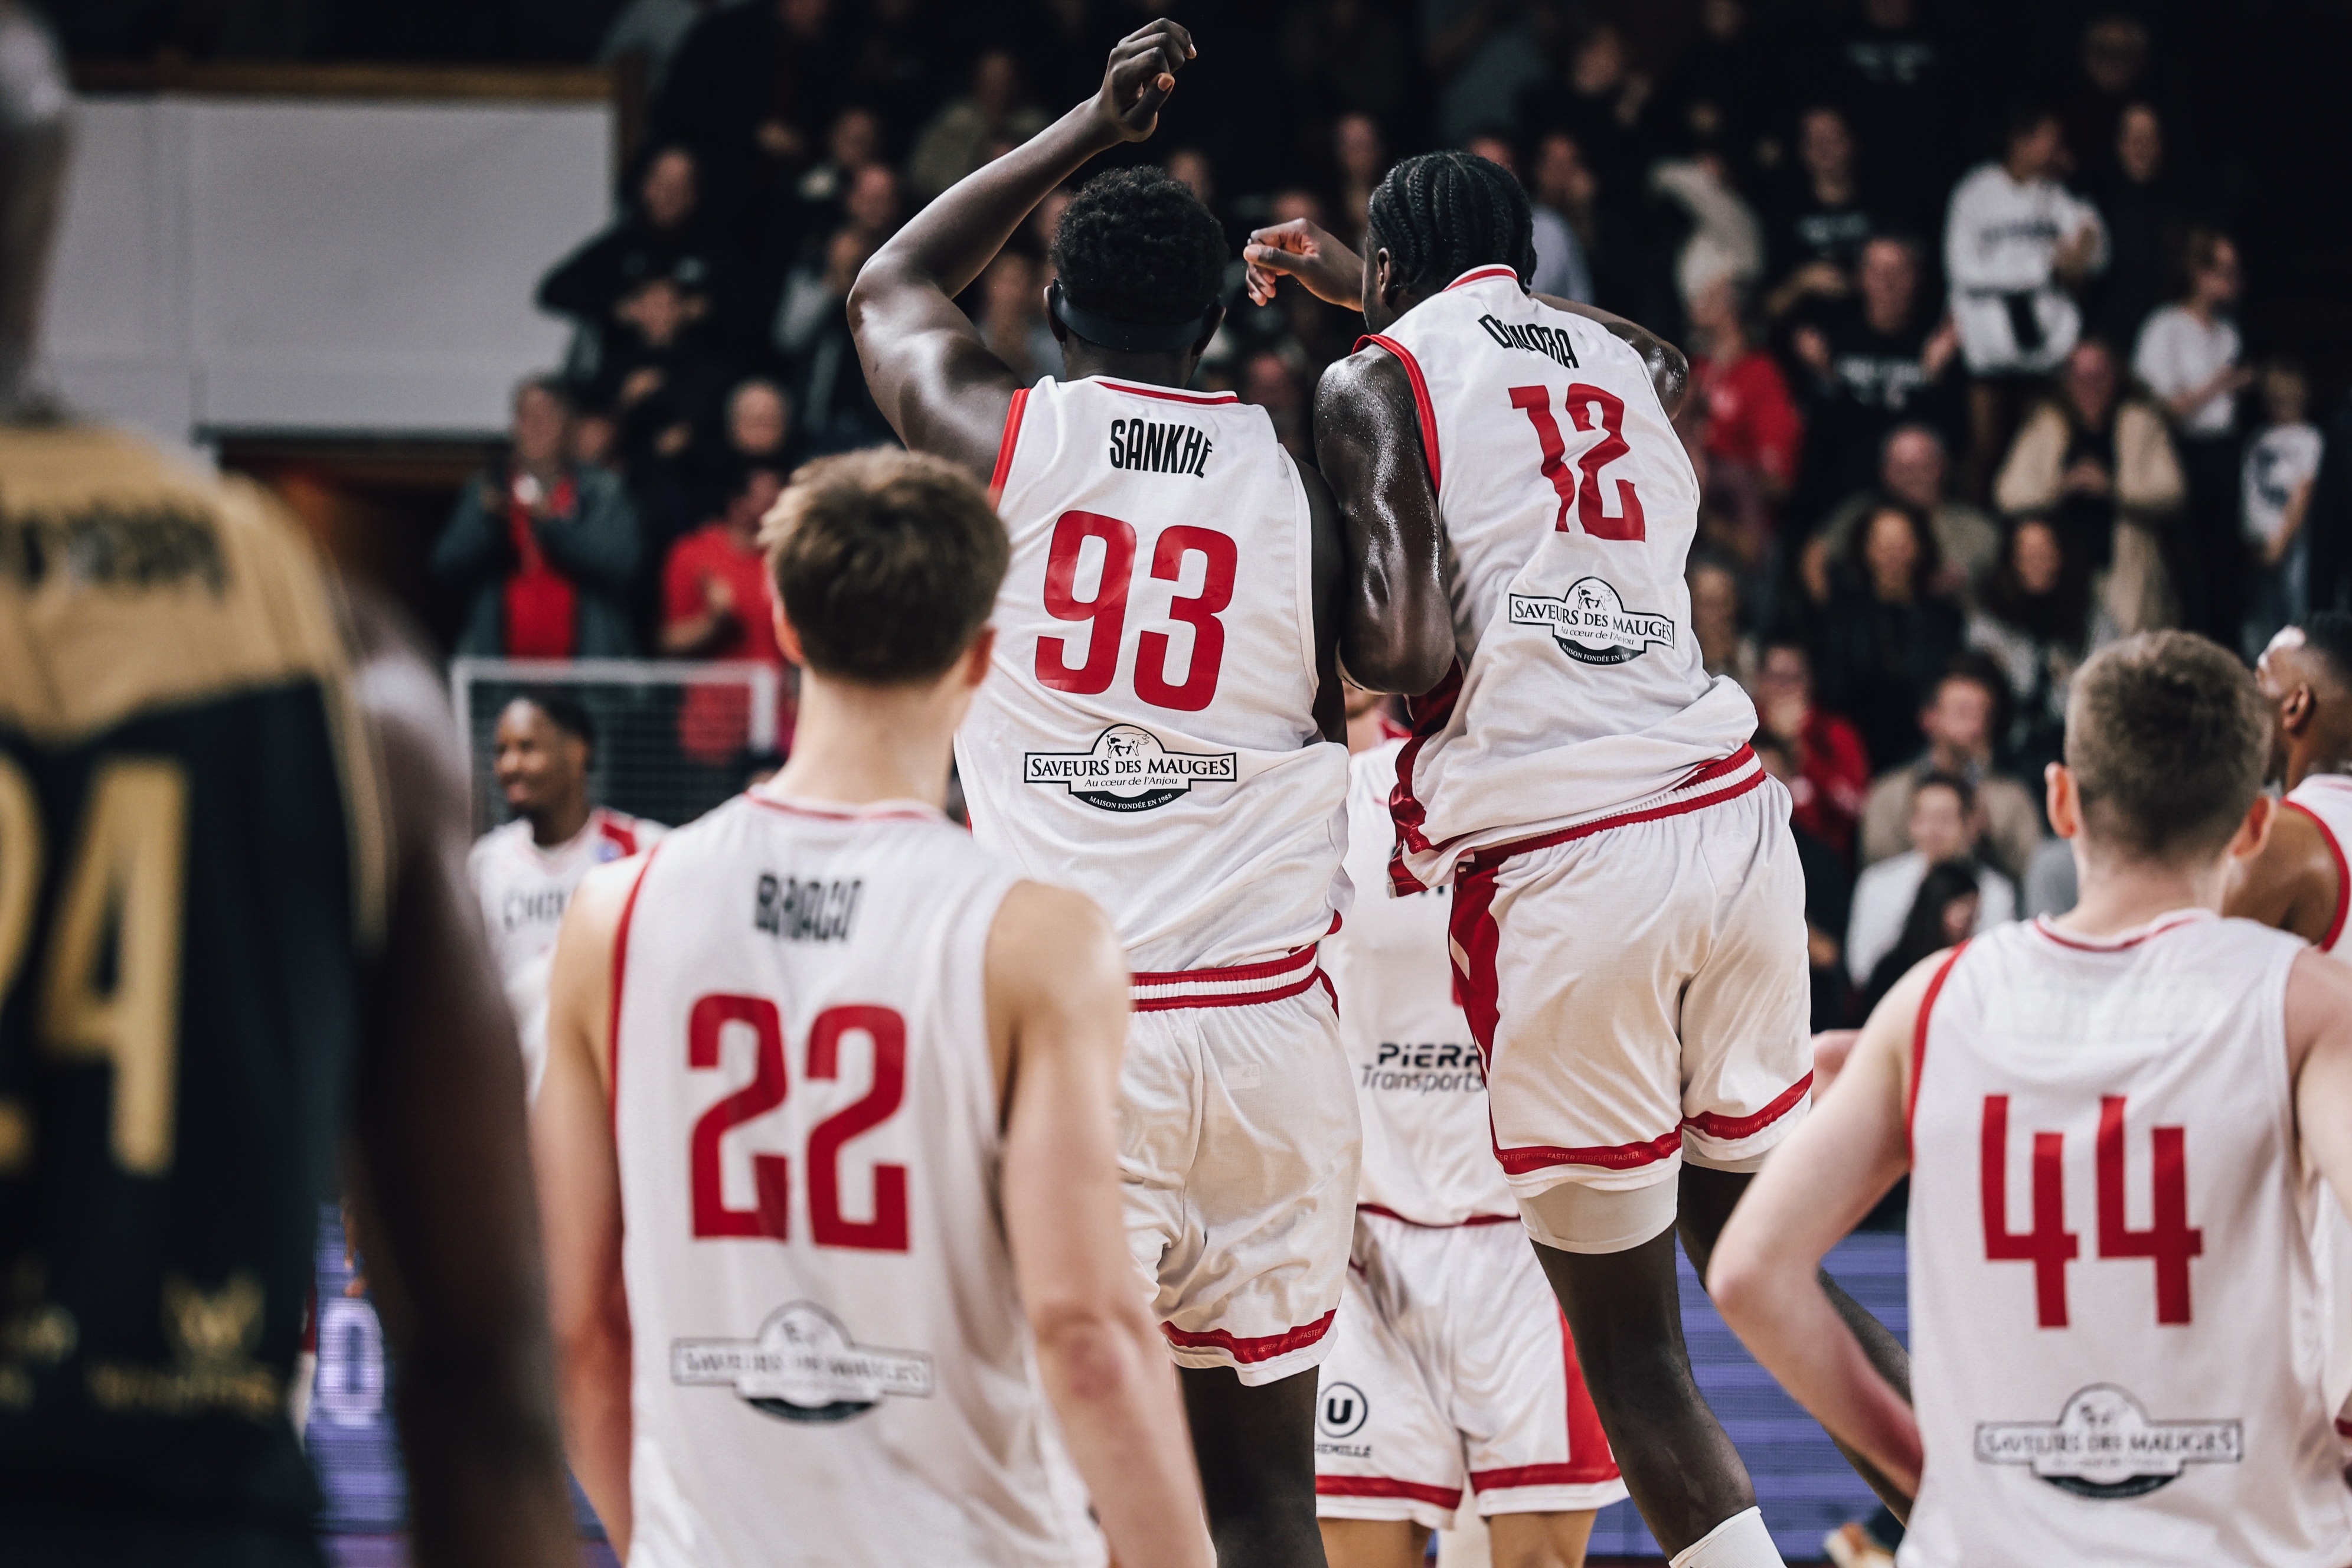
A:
{"points": [[1739, 1542], [1574, 1217]]}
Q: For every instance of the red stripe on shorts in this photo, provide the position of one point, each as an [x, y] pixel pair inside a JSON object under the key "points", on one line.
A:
{"points": [[1383, 1486], [1251, 1351], [1731, 1129], [1608, 1157]]}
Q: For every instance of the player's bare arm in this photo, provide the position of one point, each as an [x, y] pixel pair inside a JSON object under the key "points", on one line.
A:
{"points": [[1328, 574], [2319, 1051], [580, 1188], [2291, 883], [438, 1177], [1396, 630], [1328, 269], [1815, 1189], [1057, 1004], [931, 375]]}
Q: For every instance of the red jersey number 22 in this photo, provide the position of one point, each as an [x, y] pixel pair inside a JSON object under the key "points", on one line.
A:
{"points": [[1581, 399]]}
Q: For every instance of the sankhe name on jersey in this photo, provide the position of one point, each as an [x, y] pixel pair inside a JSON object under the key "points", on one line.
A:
{"points": [[1156, 446]]}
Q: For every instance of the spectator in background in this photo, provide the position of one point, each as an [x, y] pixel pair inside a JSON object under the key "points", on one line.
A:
{"points": [[821, 195], [1012, 318], [1913, 471], [1564, 231], [1751, 419], [1959, 721], [1816, 229], [812, 334], [655, 28], [1715, 617], [661, 237], [660, 381], [749, 90], [2016, 247], [2035, 622], [1872, 363], [757, 430], [1725, 244], [541, 550], [1896, 75], [2114, 58], [1484, 54], [1829, 777], [1273, 383], [1829, 895], [1942, 827], [1605, 107], [2282, 461], [1725, 86], [1361, 155], [2189, 358], [1944, 913], [1888, 635], [2103, 469], [963, 135], [715, 606], [2327, 516], [2143, 214]]}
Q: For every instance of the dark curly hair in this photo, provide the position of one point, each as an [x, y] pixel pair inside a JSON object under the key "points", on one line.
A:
{"points": [[1442, 214], [1136, 245]]}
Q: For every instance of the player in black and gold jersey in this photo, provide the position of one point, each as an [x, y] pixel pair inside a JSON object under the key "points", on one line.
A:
{"points": [[235, 929]]}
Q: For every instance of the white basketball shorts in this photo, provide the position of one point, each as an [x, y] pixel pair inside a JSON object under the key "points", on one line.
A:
{"points": [[1641, 991], [1238, 1148], [1453, 1366]]}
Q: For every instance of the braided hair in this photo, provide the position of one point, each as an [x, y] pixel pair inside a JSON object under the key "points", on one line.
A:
{"points": [[1442, 214], [1136, 245]]}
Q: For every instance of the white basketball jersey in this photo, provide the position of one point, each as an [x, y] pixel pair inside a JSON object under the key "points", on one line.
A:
{"points": [[524, 890], [1149, 735], [2118, 1324], [831, 1365], [2326, 799], [1428, 1146], [1569, 509]]}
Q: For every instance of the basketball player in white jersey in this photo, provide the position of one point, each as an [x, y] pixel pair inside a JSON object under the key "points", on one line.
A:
{"points": [[1628, 921], [2116, 1124], [1451, 1365], [1161, 735], [827, 1138], [524, 871], [2300, 882]]}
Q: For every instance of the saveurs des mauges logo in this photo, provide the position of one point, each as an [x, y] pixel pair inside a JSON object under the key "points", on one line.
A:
{"points": [[1129, 770], [1591, 623]]}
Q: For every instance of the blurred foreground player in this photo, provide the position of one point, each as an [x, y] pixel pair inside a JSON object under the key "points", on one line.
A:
{"points": [[1161, 734], [226, 942], [1628, 921], [2299, 882], [2116, 1125], [525, 870], [825, 1142], [1450, 1362]]}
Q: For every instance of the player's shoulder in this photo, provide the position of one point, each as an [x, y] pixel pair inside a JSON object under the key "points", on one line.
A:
{"points": [[620, 836], [499, 844], [1054, 944]]}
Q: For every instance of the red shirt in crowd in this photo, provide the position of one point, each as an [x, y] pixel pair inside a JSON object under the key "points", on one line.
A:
{"points": [[713, 725], [1833, 780], [1751, 417]]}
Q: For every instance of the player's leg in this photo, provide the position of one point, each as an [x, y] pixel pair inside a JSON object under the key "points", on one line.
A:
{"points": [[1239, 1150], [1374, 1543], [1540, 1540], [1578, 957]]}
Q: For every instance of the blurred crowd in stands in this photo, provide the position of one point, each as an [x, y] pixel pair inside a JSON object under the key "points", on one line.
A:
{"points": [[1961, 302]]}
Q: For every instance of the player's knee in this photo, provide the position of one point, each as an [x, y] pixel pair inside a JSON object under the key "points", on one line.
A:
{"points": [[1574, 1217]]}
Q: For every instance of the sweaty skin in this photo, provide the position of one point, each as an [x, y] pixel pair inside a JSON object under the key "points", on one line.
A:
{"points": [[2295, 882]]}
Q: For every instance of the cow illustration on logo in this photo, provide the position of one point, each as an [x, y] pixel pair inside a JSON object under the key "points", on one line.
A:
{"points": [[1128, 769], [1591, 623], [2103, 1445], [804, 1366]]}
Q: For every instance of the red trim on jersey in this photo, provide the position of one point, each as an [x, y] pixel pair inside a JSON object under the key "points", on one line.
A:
{"points": [[622, 839], [1472, 936], [1185, 1000], [2343, 1428], [1382, 1486], [1251, 1351], [2042, 927], [1607, 1157], [1421, 405], [1005, 443], [1495, 855], [1430, 714], [1386, 1213], [1479, 274], [846, 813], [621, 974], [1731, 1129], [1920, 1035], [2343, 876], [1169, 394], [1268, 979]]}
